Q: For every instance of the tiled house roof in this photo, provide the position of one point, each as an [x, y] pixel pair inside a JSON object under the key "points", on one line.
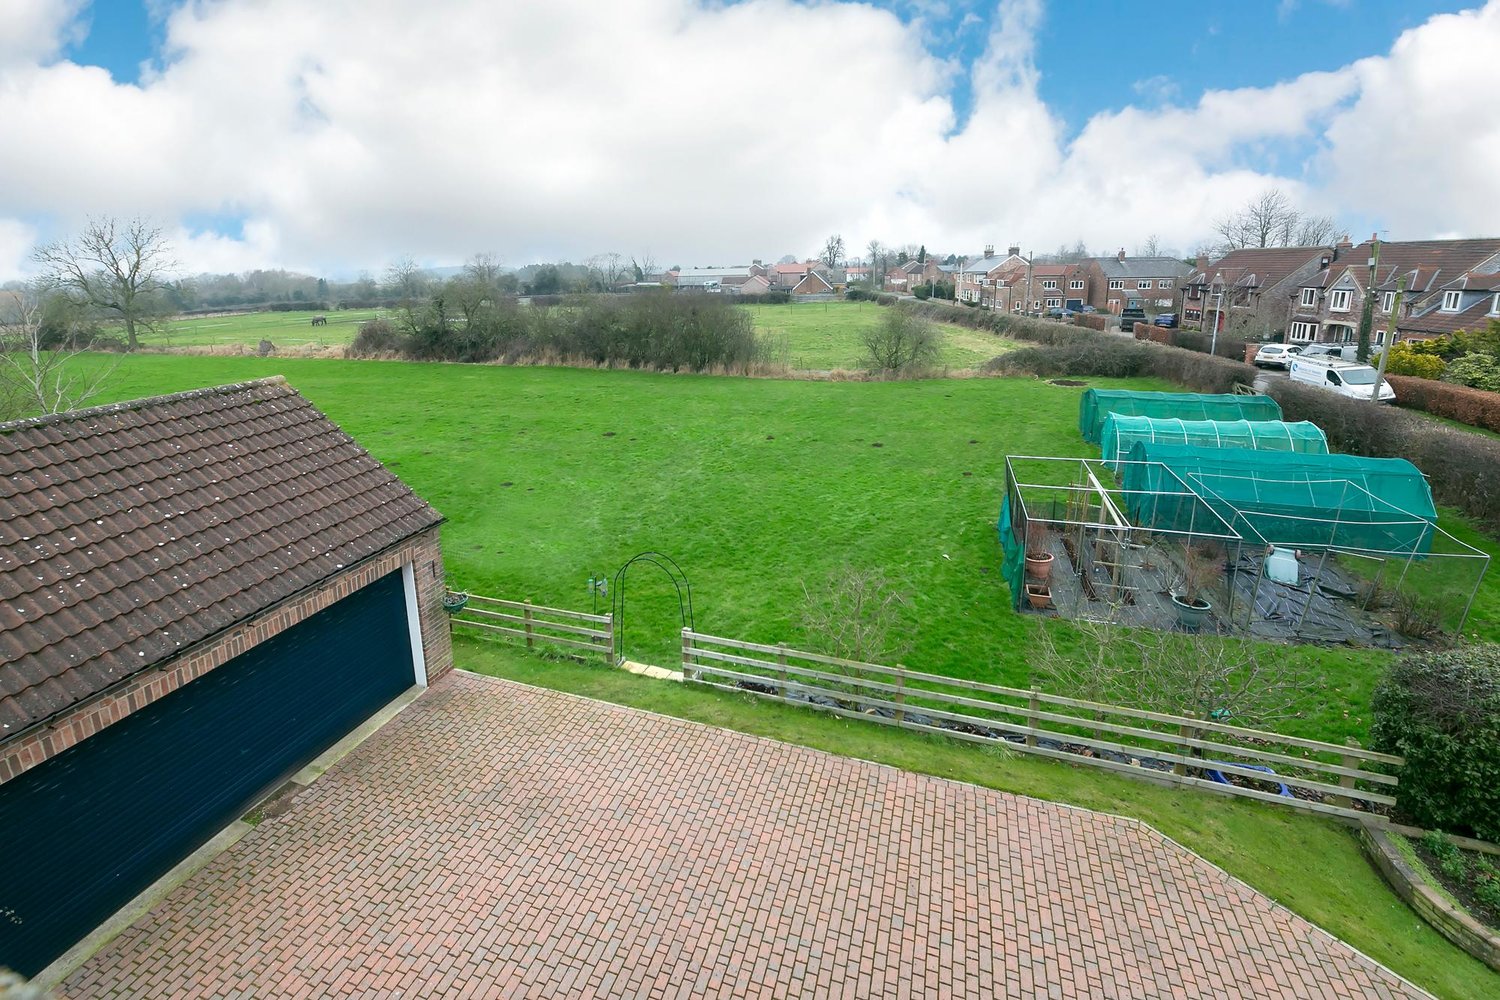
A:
{"points": [[1262, 268], [130, 532], [1143, 267]]}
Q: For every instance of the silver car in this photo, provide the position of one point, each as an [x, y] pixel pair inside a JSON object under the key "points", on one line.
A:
{"points": [[1276, 355]]}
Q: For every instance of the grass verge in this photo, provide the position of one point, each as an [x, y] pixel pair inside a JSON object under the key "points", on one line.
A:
{"points": [[1312, 866]]}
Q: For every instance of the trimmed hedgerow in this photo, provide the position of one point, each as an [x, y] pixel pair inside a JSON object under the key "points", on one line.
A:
{"points": [[1441, 712], [1456, 402], [1117, 357], [1091, 320]]}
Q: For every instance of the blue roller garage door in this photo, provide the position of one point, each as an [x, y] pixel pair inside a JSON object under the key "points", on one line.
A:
{"points": [[83, 833]]}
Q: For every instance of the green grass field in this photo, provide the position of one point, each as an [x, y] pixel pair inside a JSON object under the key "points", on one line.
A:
{"points": [[819, 336], [1311, 866], [756, 487], [284, 329]]}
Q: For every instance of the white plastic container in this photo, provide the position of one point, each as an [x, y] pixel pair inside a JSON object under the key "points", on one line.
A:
{"points": [[1281, 566]]}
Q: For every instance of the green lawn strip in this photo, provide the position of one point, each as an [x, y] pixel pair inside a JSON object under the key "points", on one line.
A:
{"points": [[826, 336], [551, 475], [1312, 866]]}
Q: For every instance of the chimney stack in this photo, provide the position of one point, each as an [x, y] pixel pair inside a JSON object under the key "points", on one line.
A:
{"points": [[1121, 255], [989, 249], [1013, 251], [1202, 263]]}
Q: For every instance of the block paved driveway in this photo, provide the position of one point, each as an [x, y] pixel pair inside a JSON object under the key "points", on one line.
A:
{"points": [[497, 840]]}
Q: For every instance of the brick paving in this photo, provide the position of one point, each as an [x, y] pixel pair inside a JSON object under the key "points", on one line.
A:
{"points": [[496, 840]]}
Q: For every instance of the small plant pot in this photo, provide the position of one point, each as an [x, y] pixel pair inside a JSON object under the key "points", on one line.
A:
{"points": [[1039, 565], [1039, 595], [1191, 613], [454, 603]]}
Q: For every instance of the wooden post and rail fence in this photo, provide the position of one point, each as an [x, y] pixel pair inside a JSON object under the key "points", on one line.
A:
{"points": [[1329, 779], [535, 623]]}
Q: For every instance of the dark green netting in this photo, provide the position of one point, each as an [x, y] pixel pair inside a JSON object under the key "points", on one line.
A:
{"points": [[1013, 564], [1295, 500], [1121, 433], [1097, 404]]}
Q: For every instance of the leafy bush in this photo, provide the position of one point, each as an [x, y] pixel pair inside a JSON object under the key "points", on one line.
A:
{"points": [[772, 298], [1403, 359], [1441, 711], [1478, 371]]}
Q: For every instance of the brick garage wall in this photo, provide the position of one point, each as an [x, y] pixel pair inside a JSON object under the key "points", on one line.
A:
{"points": [[424, 551]]}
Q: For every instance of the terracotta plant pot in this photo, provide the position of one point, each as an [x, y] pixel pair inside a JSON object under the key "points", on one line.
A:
{"points": [[1039, 595], [1039, 565]]}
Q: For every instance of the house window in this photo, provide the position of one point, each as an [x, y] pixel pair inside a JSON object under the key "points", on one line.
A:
{"points": [[1050, 283], [1338, 300], [1388, 302], [1495, 305], [1054, 303], [1116, 283], [1075, 284], [1309, 297], [1379, 338], [1143, 283], [1451, 301], [1163, 282], [1303, 332]]}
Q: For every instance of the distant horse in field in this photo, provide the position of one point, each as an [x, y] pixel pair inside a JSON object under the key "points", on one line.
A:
{"points": [[320, 321]]}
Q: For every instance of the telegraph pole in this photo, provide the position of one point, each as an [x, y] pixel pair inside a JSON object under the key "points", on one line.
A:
{"points": [[1367, 315], [1390, 340]]}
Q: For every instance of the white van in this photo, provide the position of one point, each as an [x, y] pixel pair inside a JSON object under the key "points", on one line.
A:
{"points": [[1347, 378]]}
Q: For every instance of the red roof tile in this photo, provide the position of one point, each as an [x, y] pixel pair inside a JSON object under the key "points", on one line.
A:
{"points": [[130, 532]]}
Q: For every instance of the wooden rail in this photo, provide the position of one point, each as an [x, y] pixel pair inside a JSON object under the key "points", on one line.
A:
{"points": [[534, 623], [1345, 781]]}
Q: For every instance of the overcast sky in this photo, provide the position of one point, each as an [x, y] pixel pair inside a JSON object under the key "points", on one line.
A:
{"points": [[335, 136]]}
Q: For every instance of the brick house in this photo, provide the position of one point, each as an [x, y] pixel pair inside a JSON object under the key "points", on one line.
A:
{"points": [[1447, 287], [1250, 289], [199, 593], [1111, 282], [981, 279], [812, 284]]}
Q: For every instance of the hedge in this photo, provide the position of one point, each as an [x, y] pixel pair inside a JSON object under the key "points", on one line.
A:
{"points": [[1441, 712], [1474, 407], [1116, 357], [1091, 320]]}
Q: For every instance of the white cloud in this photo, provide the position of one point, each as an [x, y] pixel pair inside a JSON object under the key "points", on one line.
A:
{"points": [[349, 132], [34, 30]]}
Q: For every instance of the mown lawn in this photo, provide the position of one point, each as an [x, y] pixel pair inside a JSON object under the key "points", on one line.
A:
{"points": [[756, 487], [1310, 865]]}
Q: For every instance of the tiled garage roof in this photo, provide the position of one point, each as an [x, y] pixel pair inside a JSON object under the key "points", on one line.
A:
{"points": [[129, 532]]}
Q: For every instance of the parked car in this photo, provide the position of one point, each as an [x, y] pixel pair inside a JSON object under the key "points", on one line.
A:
{"points": [[1129, 316], [1343, 352], [1347, 378], [1166, 319], [1276, 355]]}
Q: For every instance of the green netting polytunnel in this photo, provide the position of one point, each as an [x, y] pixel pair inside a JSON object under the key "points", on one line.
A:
{"points": [[1098, 404], [1121, 433], [1295, 500]]}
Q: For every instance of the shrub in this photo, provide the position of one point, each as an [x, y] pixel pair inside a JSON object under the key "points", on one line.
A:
{"points": [[1091, 320], [902, 343], [774, 298], [376, 337], [1478, 371], [1441, 711], [1403, 359]]}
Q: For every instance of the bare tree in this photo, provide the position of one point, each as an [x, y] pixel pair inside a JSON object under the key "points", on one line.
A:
{"points": [[117, 268], [39, 373], [483, 268], [406, 279], [901, 343], [833, 251], [1152, 246], [1317, 230], [1200, 675], [605, 270], [1271, 220], [856, 615], [644, 266], [879, 262]]}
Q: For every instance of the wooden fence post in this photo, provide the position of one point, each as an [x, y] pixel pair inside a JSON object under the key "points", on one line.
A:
{"points": [[609, 627], [687, 655], [1346, 780], [530, 633], [1033, 706], [901, 696], [781, 662], [1187, 732]]}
